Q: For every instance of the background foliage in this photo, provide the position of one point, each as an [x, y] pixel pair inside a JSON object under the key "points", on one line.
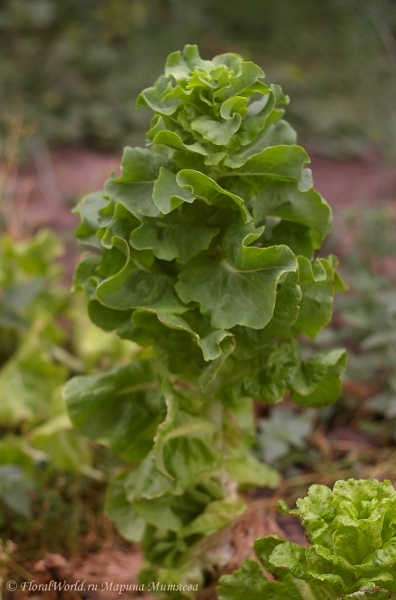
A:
{"points": [[51, 479], [74, 68]]}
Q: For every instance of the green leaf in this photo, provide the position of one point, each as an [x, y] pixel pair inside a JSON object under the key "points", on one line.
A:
{"points": [[290, 556], [136, 288], [366, 504], [59, 443], [317, 284], [315, 509], [66, 448], [130, 525], [170, 138], [108, 319], [263, 548], [168, 195], [278, 162], [236, 104], [216, 516], [318, 381], [243, 81], [117, 222], [14, 490], [140, 168], [153, 97], [27, 384], [282, 431], [277, 134], [248, 582], [273, 381], [298, 237], [274, 133], [158, 512], [247, 470], [186, 445], [14, 450], [140, 165], [216, 132], [284, 200], [253, 124], [120, 408], [181, 64], [382, 558], [206, 189], [172, 333], [33, 256], [179, 241], [210, 372], [86, 277], [89, 210], [147, 481], [239, 289], [287, 307]]}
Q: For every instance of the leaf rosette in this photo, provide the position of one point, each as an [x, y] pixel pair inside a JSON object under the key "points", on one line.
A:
{"points": [[352, 530]]}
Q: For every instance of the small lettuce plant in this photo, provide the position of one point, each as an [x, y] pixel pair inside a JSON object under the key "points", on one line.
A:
{"points": [[203, 255], [352, 532]]}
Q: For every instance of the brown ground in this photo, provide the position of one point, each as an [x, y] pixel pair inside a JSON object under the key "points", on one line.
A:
{"points": [[50, 186], [99, 575]]}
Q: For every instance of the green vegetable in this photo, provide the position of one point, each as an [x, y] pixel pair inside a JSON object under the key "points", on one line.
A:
{"points": [[352, 531], [33, 362], [203, 254]]}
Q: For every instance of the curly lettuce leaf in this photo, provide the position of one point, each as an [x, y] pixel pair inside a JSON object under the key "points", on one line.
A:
{"points": [[239, 289], [353, 533]]}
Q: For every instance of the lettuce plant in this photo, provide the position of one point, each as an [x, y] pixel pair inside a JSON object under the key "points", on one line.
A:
{"points": [[34, 365], [352, 531], [202, 254]]}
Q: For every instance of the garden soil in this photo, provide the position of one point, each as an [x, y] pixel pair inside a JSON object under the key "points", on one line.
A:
{"points": [[51, 185]]}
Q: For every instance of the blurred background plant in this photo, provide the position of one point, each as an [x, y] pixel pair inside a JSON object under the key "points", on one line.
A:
{"points": [[366, 316], [51, 480], [76, 67]]}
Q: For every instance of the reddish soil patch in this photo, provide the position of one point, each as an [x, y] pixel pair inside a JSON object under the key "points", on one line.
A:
{"points": [[50, 186], [362, 181], [110, 574], [106, 575], [108, 569]]}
